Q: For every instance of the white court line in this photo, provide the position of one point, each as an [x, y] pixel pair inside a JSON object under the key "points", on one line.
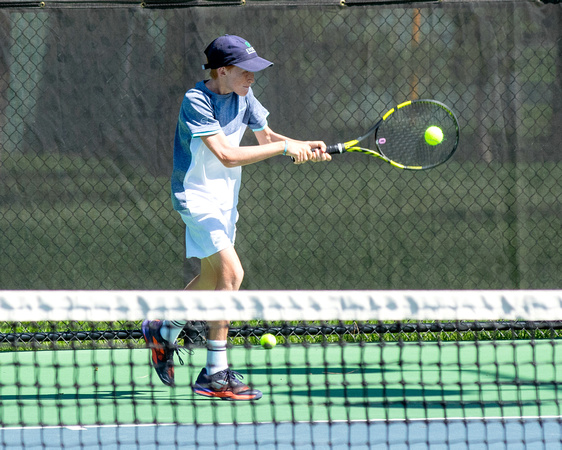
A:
{"points": [[146, 425]]}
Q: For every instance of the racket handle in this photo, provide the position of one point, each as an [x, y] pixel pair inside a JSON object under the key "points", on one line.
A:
{"points": [[330, 149], [336, 148]]}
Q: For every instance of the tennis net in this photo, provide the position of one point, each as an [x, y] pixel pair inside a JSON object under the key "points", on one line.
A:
{"points": [[360, 369]]}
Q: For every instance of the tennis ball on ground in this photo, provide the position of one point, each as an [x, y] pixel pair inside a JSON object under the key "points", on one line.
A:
{"points": [[268, 341], [434, 135]]}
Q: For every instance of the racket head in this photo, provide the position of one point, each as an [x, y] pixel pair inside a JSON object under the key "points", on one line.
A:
{"points": [[400, 136]]}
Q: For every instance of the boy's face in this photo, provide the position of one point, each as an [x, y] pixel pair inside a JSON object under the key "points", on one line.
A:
{"points": [[238, 80]]}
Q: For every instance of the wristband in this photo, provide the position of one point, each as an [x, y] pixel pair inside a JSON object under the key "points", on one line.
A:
{"points": [[286, 148]]}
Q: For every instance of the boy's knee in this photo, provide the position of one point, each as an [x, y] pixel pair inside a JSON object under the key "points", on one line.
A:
{"points": [[235, 278], [227, 268]]}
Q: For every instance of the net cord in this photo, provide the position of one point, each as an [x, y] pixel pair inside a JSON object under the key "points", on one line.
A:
{"points": [[95, 305]]}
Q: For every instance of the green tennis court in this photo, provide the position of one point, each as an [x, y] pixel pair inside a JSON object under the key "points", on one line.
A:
{"points": [[393, 381]]}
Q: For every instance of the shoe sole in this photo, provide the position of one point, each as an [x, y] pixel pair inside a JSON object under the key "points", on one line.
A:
{"points": [[226, 395]]}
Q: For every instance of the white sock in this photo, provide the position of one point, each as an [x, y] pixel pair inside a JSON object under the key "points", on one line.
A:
{"points": [[216, 356], [171, 329]]}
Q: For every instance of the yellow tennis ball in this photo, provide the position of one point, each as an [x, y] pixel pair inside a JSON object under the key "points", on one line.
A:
{"points": [[434, 135], [268, 341]]}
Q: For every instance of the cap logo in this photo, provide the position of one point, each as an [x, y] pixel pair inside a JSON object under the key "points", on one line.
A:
{"points": [[250, 49]]}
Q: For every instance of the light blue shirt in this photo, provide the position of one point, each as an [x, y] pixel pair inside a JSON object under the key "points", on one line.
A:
{"points": [[198, 176]]}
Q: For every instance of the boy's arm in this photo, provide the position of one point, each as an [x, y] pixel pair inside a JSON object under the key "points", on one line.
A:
{"points": [[267, 135], [271, 144]]}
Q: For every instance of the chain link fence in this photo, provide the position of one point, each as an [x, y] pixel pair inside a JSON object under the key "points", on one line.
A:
{"points": [[89, 99]]}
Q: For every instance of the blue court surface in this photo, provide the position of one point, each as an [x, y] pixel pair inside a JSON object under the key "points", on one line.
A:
{"points": [[526, 433]]}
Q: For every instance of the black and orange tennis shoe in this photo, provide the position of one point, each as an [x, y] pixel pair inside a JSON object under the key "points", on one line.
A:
{"points": [[225, 385], [162, 351]]}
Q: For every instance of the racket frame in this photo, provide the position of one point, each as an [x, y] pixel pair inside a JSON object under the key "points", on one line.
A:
{"points": [[351, 146]]}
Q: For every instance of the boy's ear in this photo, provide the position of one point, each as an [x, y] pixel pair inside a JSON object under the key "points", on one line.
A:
{"points": [[222, 71]]}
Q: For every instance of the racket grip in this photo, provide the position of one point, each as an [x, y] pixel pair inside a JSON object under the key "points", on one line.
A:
{"points": [[330, 149], [336, 148]]}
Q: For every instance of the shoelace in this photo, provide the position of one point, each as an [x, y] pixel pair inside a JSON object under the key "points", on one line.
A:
{"points": [[232, 375], [177, 349]]}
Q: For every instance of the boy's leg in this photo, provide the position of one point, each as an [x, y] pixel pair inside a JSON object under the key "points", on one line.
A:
{"points": [[220, 272], [216, 379]]}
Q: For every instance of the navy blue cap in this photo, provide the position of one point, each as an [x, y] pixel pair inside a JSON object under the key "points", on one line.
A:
{"points": [[229, 50]]}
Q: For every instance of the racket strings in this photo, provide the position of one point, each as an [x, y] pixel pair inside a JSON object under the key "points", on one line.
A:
{"points": [[401, 138]]}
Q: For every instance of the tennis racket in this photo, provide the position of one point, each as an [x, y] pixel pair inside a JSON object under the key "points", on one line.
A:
{"points": [[401, 136]]}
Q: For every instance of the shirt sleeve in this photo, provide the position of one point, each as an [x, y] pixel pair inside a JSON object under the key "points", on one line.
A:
{"points": [[197, 113]]}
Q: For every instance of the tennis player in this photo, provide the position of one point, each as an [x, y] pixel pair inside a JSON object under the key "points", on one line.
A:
{"points": [[205, 185]]}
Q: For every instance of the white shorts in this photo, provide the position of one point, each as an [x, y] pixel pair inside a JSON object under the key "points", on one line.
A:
{"points": [[208, 233]]}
